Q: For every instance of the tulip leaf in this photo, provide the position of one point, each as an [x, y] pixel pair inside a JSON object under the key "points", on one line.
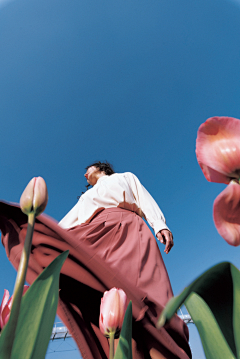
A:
{"points": [[37, 314], [124, 348], [219, 289], [236, 308], [214, 345]]}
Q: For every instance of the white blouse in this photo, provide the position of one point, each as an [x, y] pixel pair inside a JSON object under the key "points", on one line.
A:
{"points": [[122, 190]]}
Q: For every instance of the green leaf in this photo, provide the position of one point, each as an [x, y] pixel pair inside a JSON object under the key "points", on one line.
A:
{"points": [[219, 288], [236, 308], [124, 348], [214, 344], [37, 313]]}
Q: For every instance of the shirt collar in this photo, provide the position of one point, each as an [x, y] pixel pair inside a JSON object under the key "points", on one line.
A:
{"points": [[103, 178]]}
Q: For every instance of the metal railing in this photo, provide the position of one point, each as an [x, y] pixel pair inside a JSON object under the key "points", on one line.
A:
{"points": [[60, 331]]}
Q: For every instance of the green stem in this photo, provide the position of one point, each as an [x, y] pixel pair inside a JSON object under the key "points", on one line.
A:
{"points": [[18, 289], [111, 345]]}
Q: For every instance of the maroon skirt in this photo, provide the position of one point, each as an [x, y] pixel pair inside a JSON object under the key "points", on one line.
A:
{"points": [[116, 249]]}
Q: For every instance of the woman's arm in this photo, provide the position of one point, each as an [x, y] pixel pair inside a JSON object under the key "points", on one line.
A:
{"points": [[151, 211]]}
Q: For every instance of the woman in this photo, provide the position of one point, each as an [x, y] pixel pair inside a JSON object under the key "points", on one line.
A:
{"points": [[108, 218], [110, 245], [115, 205]]}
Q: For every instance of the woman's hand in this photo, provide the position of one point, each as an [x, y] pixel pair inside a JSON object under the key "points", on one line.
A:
{"points": [[165, 237]]}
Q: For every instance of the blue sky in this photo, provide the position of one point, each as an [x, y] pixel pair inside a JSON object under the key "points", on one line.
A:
{"points": [[125, 81]]}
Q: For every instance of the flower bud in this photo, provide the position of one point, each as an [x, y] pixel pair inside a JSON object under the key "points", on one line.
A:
{"points": [[6, 305], [34, 197], [112, 311]]}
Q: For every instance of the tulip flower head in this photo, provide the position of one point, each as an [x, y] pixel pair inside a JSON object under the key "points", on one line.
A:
{"points": [[218, 149], [218, 154], [112, 311], [6, 306], [34, 197]]}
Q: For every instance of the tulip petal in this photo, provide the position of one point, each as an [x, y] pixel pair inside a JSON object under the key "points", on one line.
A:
{"points": [[26, 200], [6, 296], [226, 213], [123, 306], [218, 149], [5, 314], [40, 197]]}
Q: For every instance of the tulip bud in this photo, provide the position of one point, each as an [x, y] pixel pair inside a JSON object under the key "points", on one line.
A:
{"points": [[34, 197], [112, 311], [6, 305]]}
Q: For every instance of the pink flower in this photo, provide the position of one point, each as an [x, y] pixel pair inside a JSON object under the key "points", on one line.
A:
{"points": [[112, 311], [226, 213], [35, 196], [6, 306], [218, 149]]}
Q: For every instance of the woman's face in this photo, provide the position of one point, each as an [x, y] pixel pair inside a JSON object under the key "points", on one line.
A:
{"points": [[92, 175]]}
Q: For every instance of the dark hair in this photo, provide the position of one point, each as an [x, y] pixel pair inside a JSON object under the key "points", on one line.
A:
{"points": [[103, 166]]}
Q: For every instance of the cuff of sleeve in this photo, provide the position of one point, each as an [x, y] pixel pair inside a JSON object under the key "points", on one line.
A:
{"points": [[159, 225]]}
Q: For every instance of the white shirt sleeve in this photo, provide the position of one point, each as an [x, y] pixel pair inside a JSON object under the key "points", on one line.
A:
{"points": [[150, 209]]}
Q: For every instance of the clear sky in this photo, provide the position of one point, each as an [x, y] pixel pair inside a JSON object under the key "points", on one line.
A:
{"points": [[124, 81]]}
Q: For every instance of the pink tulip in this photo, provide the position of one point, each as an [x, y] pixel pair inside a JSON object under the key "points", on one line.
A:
{"points": [[226, 213], [35, 196], [112, 311], [218, 149], [6, 306]]}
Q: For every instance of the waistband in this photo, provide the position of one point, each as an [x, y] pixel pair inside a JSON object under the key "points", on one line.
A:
{"points": [[110, 210]]}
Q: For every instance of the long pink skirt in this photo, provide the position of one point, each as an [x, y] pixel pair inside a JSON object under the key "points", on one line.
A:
{"points": [[116, 249]]}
